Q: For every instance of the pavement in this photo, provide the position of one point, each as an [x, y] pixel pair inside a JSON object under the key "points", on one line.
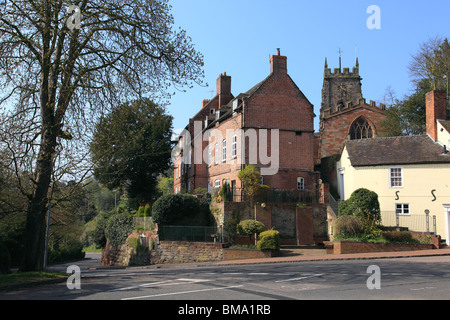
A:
{"points": [[299, 254]]}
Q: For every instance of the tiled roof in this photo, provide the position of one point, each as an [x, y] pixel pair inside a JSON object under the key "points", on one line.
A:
{"points": [[445, 124], [396, 151]]}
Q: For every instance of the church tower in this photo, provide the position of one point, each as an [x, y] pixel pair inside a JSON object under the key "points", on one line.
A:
{"points": [[339, 88], [344, 113]]}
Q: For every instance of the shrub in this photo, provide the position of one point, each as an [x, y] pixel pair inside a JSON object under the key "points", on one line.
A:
{"points": [[348, 226], [68, 251], [231, 227], [398, 236], [269, 240], [5, 259], [364, 204], [181, 209], [143, 211], [250, 227], [251, 179], [118, 229], [225, 192]]}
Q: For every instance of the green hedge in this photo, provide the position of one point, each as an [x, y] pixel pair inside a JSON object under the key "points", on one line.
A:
{"points": [[119, 228], [181, 210], [269, 240]]}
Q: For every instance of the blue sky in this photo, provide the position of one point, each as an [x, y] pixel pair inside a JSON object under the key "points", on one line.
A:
{"points": [[239, 36]]}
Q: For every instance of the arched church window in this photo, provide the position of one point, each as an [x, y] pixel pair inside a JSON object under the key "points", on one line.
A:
{"points": [[360, 129]]}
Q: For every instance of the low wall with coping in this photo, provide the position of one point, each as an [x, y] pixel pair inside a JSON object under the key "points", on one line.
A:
{"points": [[342, 247], [239, 254], [166, 252]]}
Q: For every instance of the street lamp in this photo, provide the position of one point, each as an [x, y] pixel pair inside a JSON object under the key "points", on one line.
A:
{"points": [[447, 96]]}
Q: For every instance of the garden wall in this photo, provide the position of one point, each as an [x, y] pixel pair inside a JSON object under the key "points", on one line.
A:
{"points": [[238, 254], [135, 251], [342, 247], [185, 252]]}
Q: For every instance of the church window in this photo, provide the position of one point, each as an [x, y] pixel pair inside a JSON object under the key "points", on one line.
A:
{"points": [[360, 129]]}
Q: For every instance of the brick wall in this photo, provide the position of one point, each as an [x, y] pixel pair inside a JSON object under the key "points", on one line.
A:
{"points": [[167, 252], [238, 254], [342, 247], [126, 254], [336, 127]]}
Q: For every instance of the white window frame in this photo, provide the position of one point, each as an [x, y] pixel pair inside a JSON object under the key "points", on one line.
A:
{"points": [[402, 209], [224, 150], [300, 183], [216, 153], [216, 184], [208, 159], [391, 185], [234, 147]]}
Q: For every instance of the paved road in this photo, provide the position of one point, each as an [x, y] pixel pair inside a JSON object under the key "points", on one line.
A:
{"points": [[407, 278]]}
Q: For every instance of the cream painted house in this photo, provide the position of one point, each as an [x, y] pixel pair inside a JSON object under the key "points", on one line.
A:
{"points": [[410, 174]]}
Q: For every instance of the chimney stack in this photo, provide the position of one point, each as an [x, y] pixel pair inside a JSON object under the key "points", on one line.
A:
{"points": [[436, 109], [278, 63], [223, 88]]}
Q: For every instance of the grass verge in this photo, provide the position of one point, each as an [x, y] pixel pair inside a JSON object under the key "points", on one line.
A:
{"points": [[24, 279]]}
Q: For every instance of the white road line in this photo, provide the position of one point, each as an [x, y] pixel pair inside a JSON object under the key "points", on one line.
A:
{"points": [[181, 292], [301, 278], [160, 284], [259, 273]]}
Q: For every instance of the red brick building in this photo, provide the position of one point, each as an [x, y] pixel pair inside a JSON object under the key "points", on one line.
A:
{"points": [[270, 126]]}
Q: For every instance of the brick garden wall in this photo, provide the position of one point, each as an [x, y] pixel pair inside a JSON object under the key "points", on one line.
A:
{"points": [[186, 252], [342, 247]]}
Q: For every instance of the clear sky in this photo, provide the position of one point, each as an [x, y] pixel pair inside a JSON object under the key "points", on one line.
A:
{"points": [[239, 36]]}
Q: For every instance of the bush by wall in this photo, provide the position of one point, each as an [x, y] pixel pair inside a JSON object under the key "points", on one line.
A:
{"points": [[398, 237], [119, 227], [250, 227], [348, 226], [364, 204], [269, 240]]}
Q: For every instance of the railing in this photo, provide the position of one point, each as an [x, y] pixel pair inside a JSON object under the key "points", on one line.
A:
{"points": [[190, 234], [414, 222], [145, 223], [334, 205], [275, 196]]}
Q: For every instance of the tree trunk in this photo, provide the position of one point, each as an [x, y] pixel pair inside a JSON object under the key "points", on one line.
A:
{"points": [[37, 208], [34, 241]]}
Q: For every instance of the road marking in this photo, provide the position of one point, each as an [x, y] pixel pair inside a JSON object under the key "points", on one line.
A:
{"points": [[181, 292], [301, 278], [259, 273], [160, 284], [417, 289]]}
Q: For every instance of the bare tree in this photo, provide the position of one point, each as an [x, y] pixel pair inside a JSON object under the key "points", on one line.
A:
{"points": [[57, 77], [432, 62]]}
